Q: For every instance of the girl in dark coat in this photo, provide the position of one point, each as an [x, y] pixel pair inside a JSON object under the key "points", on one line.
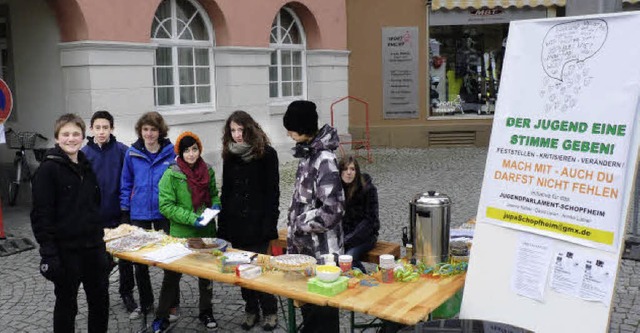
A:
{"points": [[250, 199], [360, 222]]}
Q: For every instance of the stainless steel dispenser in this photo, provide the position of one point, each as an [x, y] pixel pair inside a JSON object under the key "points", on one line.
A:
{"points": [[429, 227]]}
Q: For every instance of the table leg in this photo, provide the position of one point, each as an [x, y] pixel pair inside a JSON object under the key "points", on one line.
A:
{"points": [[292, 328]]}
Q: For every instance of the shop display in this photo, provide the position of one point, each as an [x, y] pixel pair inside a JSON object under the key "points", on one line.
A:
{"points": [[465, 68]]}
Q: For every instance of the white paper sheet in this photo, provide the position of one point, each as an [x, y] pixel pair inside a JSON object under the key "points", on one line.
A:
{"points": [[208, 214], [531, 268], [168, 253], [567, 272], [597, 281]]}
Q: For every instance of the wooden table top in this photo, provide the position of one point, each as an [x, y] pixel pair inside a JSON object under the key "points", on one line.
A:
{"points": [[402, 302]]}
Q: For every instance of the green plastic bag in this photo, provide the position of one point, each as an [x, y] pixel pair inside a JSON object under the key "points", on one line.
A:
{"points": [[449, 309]]}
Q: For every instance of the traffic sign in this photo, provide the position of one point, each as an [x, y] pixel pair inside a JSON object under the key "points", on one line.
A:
{"points": [[6, 101]]}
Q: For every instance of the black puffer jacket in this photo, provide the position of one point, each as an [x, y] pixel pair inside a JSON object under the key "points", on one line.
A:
{"points": [[361, 222], [250, 199], [66, 204]]}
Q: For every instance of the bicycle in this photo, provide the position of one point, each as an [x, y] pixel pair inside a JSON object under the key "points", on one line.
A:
{"points": [[22, 141]]}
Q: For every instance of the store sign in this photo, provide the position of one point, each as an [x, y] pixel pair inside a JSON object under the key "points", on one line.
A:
{"points": [[484, 16], [400, 72], [561, 156]]}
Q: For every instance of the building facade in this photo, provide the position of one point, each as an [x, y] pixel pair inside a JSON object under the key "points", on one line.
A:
{"points": [[194, 61], [458, 60]]}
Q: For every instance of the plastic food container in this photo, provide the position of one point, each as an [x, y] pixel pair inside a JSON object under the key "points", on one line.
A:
{"points": [[345, 261], [387, 264], [248, 271]]}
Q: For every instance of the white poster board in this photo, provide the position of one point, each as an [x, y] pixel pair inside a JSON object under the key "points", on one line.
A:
{"points": [[560, 166]]}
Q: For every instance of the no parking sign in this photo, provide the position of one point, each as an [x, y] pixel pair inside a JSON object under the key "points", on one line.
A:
{"points": [[6, 101]]}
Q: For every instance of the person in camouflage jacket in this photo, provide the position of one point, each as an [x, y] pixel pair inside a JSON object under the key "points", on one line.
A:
{"points": [[315, 216]]}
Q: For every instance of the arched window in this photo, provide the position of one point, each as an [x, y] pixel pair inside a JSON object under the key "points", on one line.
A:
{"points": [[183, 71], [287, 72]]}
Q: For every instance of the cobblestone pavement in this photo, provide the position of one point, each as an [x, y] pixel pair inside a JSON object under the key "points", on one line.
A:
{"points": [[26, 298]]}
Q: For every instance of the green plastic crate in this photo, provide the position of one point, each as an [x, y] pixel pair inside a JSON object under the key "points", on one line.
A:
{"points": [[314, 285]]}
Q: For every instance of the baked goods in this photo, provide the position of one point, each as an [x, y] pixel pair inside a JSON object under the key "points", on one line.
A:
{"points": [[135, 241], [206, 244], [121, 231], [293, 262]]}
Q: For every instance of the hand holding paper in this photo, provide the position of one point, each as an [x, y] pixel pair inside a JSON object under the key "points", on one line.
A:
{"points": [[207, 215]]}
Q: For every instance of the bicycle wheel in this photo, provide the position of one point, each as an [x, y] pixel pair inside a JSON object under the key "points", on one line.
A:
{"points": [[13, 193]]}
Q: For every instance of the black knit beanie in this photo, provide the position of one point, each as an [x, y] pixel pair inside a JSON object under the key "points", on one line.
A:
{"points": [[301, 117], [185, 143]]}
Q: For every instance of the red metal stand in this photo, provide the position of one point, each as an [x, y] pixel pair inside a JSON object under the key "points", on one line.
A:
{"points": [[356, 144]]}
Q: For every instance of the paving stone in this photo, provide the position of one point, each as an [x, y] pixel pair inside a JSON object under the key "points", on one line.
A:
{"points": [[27, 299]]}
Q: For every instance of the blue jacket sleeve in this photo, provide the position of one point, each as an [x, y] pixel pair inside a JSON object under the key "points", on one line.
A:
{"points": [[126, 184]]}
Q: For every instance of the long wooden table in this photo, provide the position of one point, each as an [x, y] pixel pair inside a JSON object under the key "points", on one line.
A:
{"points": [[402, 302]]}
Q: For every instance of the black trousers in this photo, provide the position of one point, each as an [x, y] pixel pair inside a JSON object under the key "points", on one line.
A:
{"points": [[91, 268], [170, 291], [320, 319], [142, 271], [127, 281], [256, 300]]}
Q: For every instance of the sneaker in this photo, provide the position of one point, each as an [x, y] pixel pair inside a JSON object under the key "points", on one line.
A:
{"points": [[135, 314], [174, 315], [250, 320], [208, 321], [138, 312], [270, 322], [129, 303], [159, 325]]}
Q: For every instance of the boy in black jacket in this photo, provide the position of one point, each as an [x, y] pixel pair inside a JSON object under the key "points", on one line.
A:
{"points": [[66, 223]]}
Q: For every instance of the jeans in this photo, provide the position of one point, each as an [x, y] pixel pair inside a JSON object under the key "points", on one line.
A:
{"points": [[142, 271], [357, 252], [256, 299], [89, 267]]}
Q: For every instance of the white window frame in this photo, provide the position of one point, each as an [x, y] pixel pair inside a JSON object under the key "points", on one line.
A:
{"points": [[278, 47], [174, 43]]}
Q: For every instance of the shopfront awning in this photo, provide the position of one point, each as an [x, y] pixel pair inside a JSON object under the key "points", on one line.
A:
{"points": [[464, 4]]}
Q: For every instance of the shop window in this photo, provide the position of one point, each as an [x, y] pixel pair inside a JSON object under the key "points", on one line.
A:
{"points": [[183, 70], [287, 70], [465, 66]]}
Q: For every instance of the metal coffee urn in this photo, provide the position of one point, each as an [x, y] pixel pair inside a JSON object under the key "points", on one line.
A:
{"points": [[429, 227]]}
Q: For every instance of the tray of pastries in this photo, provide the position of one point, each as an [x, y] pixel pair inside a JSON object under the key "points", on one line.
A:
{"points": [[206, 244], [292, 262]]}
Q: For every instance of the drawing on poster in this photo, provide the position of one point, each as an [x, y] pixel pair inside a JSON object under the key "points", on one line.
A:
{"points": [[565, 50]]}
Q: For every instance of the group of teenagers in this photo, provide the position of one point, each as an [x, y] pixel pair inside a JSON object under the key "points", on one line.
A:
{"points": [[158, 185]]}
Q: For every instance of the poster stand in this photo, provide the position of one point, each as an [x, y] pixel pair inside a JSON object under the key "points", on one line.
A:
{"points": [[559, 176]]}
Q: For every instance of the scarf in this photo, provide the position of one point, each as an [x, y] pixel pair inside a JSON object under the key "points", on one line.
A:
{"points": [[244, 150], [198, 182]]}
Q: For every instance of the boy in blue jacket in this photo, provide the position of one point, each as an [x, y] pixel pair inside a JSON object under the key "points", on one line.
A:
{"points": [[106, 156]]}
